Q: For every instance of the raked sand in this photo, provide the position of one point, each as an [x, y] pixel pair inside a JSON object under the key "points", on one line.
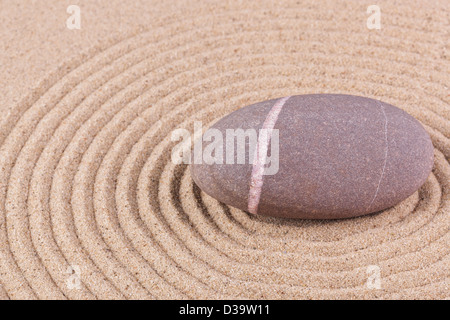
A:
{"points": [[91, 205]]}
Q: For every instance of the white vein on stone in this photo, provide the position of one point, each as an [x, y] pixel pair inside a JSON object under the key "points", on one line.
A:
{"points": [[257, 178], [385, 155]]}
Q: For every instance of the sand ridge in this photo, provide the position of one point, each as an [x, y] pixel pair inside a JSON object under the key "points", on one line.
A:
{"points": [[86, 178]]}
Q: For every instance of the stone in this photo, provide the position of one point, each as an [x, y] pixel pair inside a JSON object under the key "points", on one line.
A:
{"points": [[339, 156]]}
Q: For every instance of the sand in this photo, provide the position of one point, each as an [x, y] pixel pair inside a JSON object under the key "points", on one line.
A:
{"points": [[91, 205]]}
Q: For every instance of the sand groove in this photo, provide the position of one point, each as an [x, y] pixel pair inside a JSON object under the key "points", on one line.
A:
{"points": [[87, 182]]}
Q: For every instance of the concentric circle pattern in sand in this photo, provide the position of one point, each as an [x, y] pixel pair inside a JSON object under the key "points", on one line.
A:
{"points": [[88, 190]]}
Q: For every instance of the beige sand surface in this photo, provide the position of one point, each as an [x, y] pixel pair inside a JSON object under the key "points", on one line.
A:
{"points": [[87, 185]]}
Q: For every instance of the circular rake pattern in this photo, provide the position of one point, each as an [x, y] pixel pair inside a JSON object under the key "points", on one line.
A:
{"points": [[91, 205]]}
